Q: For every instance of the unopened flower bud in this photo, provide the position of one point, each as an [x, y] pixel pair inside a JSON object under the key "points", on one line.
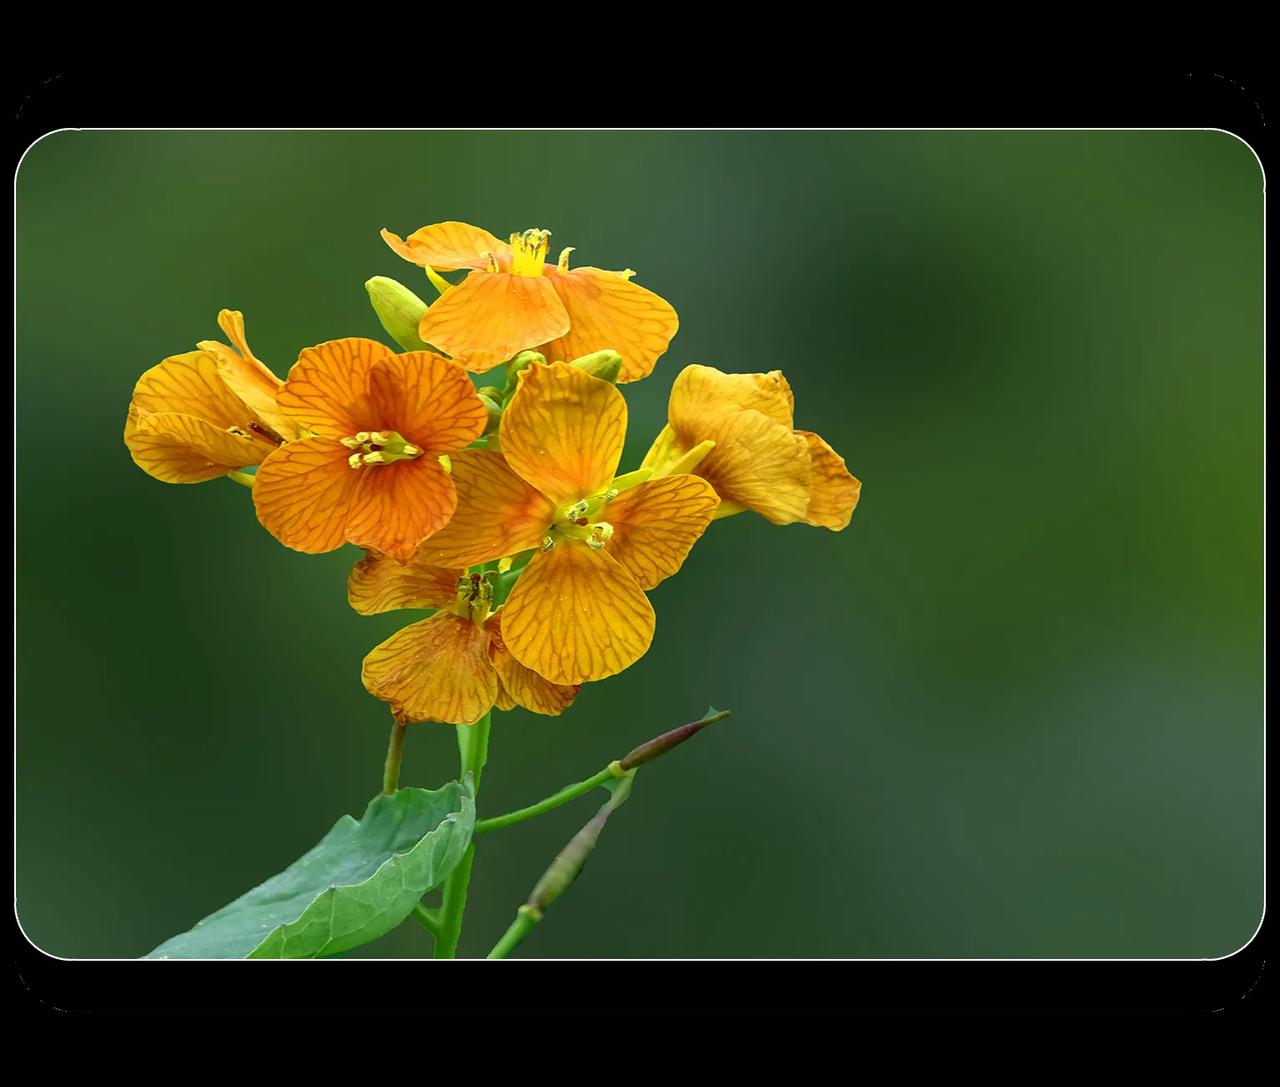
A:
{"points": [[399, 310], [494, 408], [521, 362], [660, 745], [606, 365], [572, 858]]}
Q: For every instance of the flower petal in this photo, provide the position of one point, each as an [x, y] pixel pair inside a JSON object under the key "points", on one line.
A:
{"points": [[523, 686], [428, 400], [607, 310], [489, 317], [399, 505], [563, 431], [247, 376], [449, 245], [303, 492], [576, 615], [833, 491], [327, 390], [190, 384], [379, 583], [498, 513], [759, 464], [700, 393], [656, 523], [177, 448], [435, 670]]}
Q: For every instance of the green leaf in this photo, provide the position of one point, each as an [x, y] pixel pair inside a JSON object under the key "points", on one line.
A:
{"points": [[362, 879]]}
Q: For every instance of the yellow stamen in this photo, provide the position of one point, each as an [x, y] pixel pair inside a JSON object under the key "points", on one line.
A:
{"points": [[378, 447], [528, 251], [562, 265]]}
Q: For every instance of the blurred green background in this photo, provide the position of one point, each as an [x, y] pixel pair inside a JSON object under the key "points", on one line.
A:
{"points": [[1014, 710]]}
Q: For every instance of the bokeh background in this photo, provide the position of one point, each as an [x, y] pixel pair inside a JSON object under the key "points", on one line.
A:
{"points": [[1014, 710]]}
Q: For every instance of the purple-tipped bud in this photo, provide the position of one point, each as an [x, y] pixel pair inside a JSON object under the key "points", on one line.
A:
{"points": [[660, 745]]}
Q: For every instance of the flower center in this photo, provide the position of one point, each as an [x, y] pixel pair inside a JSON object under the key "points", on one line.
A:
{"points": [[474, 598], [374, 447], [581, 522], [528, 251]]}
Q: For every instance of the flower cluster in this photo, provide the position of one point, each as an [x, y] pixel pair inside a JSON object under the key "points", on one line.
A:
{"points": [[501, 507]]}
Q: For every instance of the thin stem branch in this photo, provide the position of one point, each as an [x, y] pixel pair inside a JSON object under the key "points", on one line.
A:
{"points": [[638, 756], [514, 936], [569, 792], [429, 919], [395, 753]]}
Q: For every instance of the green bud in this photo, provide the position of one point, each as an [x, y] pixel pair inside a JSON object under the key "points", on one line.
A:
{"points": [[399, 310], [572, 858], [606, 365], [494, 408], [521, 362]]}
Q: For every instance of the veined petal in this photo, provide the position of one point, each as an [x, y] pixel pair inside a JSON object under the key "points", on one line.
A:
{"points": [[303, 492], [607, 310], [563, 431], [247, 376], [379, 583], [576, 615], [498, 513], [179, 448], [399, 505], [701, 394], [489, 317], [759, 464], [428, 400], [521, 686], [190, 384], [656, 523], [327, 390], [833, 490], [450, 245], [663, 453], [435, 670]]}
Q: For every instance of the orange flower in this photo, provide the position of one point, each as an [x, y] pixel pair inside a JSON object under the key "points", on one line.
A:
{"points": [[454, 666], [368, 472], [513, 300], [578, 611], [735, 430], [206, 413]]}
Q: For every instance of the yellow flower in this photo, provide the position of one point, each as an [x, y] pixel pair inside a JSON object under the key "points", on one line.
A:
{"points": [[203, 414], [454, 666], [578, 611], [513, 300], [735, 430], [369, 471]]}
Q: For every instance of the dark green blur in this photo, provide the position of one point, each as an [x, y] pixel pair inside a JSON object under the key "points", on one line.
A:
{"points": [[1014, 710]]}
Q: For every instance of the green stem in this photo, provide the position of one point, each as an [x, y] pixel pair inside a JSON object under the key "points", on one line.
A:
{"points": [[243, 478], [514, 936], [395, 753], [473, 752], [429, 919], [569, 792], [453, 907]]}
